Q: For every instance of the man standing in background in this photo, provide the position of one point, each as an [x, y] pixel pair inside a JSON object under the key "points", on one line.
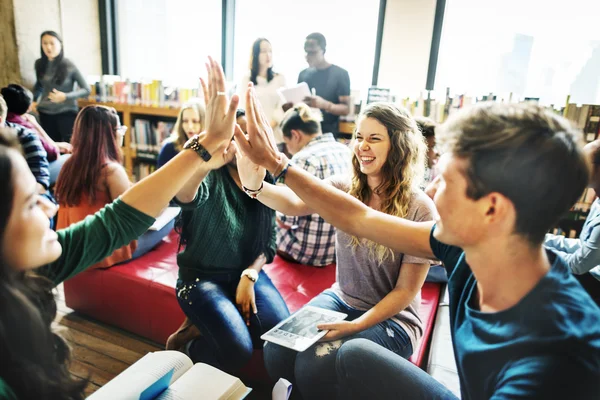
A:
{"points": [[329, 84]]}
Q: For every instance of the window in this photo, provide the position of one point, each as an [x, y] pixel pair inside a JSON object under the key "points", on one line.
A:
{"points": [[168, 40], [350, 27], [544, 49]]}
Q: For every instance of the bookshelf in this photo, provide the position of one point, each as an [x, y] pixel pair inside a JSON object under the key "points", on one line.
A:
{"points": [[129, 114]]}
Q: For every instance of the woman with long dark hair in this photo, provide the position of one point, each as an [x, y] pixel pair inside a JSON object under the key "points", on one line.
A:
{"points": [[94, 177], [34, 361], [266, 82], [55, 90]]}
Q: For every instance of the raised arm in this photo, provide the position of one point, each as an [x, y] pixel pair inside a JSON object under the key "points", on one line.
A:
{"points": [[334, 206], [279, 198]]}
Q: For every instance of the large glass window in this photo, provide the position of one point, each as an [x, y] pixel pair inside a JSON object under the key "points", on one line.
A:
{"points": [[542, 49], [168, 40], [350, 27]]}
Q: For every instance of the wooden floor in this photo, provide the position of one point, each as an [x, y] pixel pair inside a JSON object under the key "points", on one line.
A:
{"points": [[100, 352]]}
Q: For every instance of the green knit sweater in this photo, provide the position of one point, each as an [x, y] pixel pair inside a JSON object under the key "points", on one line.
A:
{"points": [[223, 229]]}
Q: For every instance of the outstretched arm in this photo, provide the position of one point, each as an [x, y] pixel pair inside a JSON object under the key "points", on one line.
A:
{"points": [[334, 206]]}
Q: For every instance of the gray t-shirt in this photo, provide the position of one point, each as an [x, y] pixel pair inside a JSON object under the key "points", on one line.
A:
{"points": [[329, 83], [362, 282], [48, 82]]}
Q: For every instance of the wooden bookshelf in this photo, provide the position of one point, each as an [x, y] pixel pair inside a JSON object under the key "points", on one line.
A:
{"points": [[129, 113]]}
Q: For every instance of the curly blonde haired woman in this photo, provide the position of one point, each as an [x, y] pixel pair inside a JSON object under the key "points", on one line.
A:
{"points": [[378, 288]]}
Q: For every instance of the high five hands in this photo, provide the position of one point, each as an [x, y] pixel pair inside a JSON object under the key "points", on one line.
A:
{"points": [[258, 145], [220, 116]]}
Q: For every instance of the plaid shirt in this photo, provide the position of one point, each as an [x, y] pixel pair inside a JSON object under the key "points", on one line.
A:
{"points": [[309, 239]]}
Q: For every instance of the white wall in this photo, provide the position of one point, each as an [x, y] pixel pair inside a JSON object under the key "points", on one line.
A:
{"points": [[77, 21], [406, 45]]}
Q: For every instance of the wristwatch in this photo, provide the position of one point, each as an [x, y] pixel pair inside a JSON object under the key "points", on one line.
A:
{"points": [[195, 145], [252, 274]]}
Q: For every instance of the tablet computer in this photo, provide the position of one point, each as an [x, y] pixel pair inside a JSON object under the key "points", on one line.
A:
{"points": [[299, 331]]}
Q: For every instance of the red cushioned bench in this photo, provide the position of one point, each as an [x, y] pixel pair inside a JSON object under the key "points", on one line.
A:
{"points": [[139, 296]]}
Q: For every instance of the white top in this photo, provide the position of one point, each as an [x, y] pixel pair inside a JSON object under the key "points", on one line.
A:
{"points": [[268, 97]]}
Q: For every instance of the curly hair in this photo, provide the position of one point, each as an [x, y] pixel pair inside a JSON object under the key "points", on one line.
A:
{"points": [[402, 172]]}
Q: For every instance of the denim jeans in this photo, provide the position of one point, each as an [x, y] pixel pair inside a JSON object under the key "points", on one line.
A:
{"points": [[226, 342], [366, 370], [313, 371], [150, 239]]}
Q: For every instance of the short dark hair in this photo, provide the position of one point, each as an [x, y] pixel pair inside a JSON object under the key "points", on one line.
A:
{"points": [[319, 38], [426, 126], [18, 99], [240, 112], [528, 154]]}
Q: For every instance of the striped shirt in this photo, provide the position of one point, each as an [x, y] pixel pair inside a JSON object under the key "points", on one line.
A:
{"points": [[309, 239], [34, 153]]}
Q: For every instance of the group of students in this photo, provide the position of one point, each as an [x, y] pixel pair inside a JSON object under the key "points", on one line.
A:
{"points": [[521, 324]]}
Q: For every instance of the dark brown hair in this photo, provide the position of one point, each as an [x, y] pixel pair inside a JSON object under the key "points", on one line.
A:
{"points": [[94, 142], [41, 64], [33, 360]]}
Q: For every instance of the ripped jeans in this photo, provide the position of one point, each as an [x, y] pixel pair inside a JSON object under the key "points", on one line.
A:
{"points": [[313, 371]]}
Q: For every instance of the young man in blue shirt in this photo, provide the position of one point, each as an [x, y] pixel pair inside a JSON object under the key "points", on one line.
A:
{"points": [[522, 327]]}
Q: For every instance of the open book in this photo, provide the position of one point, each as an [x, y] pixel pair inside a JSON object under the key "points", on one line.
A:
{"points": [[171, 375]]}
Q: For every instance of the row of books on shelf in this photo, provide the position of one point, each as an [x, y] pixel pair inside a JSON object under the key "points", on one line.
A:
{"points": [[151, 93], [586, 117], [142, 170], [147, 136]]}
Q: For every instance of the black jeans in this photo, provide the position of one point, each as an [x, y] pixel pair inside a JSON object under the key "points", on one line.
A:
{"points": [[58, 126]]}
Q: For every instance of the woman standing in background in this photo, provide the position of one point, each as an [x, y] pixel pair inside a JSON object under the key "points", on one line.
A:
{"points": [[266, 83], [54, 89]]}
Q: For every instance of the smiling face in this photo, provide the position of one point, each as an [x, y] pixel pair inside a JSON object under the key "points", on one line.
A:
{"points": [[51, 46], [28, 241], [371, 146]]}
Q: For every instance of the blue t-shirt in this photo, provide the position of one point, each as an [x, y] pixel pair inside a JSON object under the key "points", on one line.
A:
{"points": [[167, 152], [546, 346]]}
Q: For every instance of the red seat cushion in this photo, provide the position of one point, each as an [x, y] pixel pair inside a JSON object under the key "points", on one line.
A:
{"points": [[139, 296]]}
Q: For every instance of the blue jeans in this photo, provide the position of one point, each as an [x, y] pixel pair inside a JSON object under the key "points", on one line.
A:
{"points": [[226, 342], [366, 370], [150, 239], [313, 371]]}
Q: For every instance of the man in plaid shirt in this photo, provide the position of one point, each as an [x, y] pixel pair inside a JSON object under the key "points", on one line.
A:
{"points": [[309, 239]]}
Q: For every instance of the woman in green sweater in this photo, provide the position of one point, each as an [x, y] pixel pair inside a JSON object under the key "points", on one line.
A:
{"points": [[34, 361], [227, 298]]}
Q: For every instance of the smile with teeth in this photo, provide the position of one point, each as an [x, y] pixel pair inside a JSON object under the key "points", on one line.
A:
{"points": [[366, 160]]}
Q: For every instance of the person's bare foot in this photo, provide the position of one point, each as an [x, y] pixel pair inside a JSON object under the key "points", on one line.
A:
{"points": [[186, 332]]}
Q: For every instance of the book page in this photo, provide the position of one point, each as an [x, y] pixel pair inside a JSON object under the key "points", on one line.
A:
{"points": [[146, 378], [164, 218], [294, 94], [208, 383]]}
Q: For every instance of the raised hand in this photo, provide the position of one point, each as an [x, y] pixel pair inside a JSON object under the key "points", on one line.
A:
{"points": [[259, 145], [250, 174], [220, 112]]}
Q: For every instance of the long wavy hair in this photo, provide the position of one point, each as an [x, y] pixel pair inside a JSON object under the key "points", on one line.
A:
{"points": [[402, 171], [34, 361], [94, 144], [254, 65], [63, 64], [178, 136]]}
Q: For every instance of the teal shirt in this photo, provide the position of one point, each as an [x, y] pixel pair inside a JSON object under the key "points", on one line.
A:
{"points": [[547, 346], [223, 228], [89, 241]]}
